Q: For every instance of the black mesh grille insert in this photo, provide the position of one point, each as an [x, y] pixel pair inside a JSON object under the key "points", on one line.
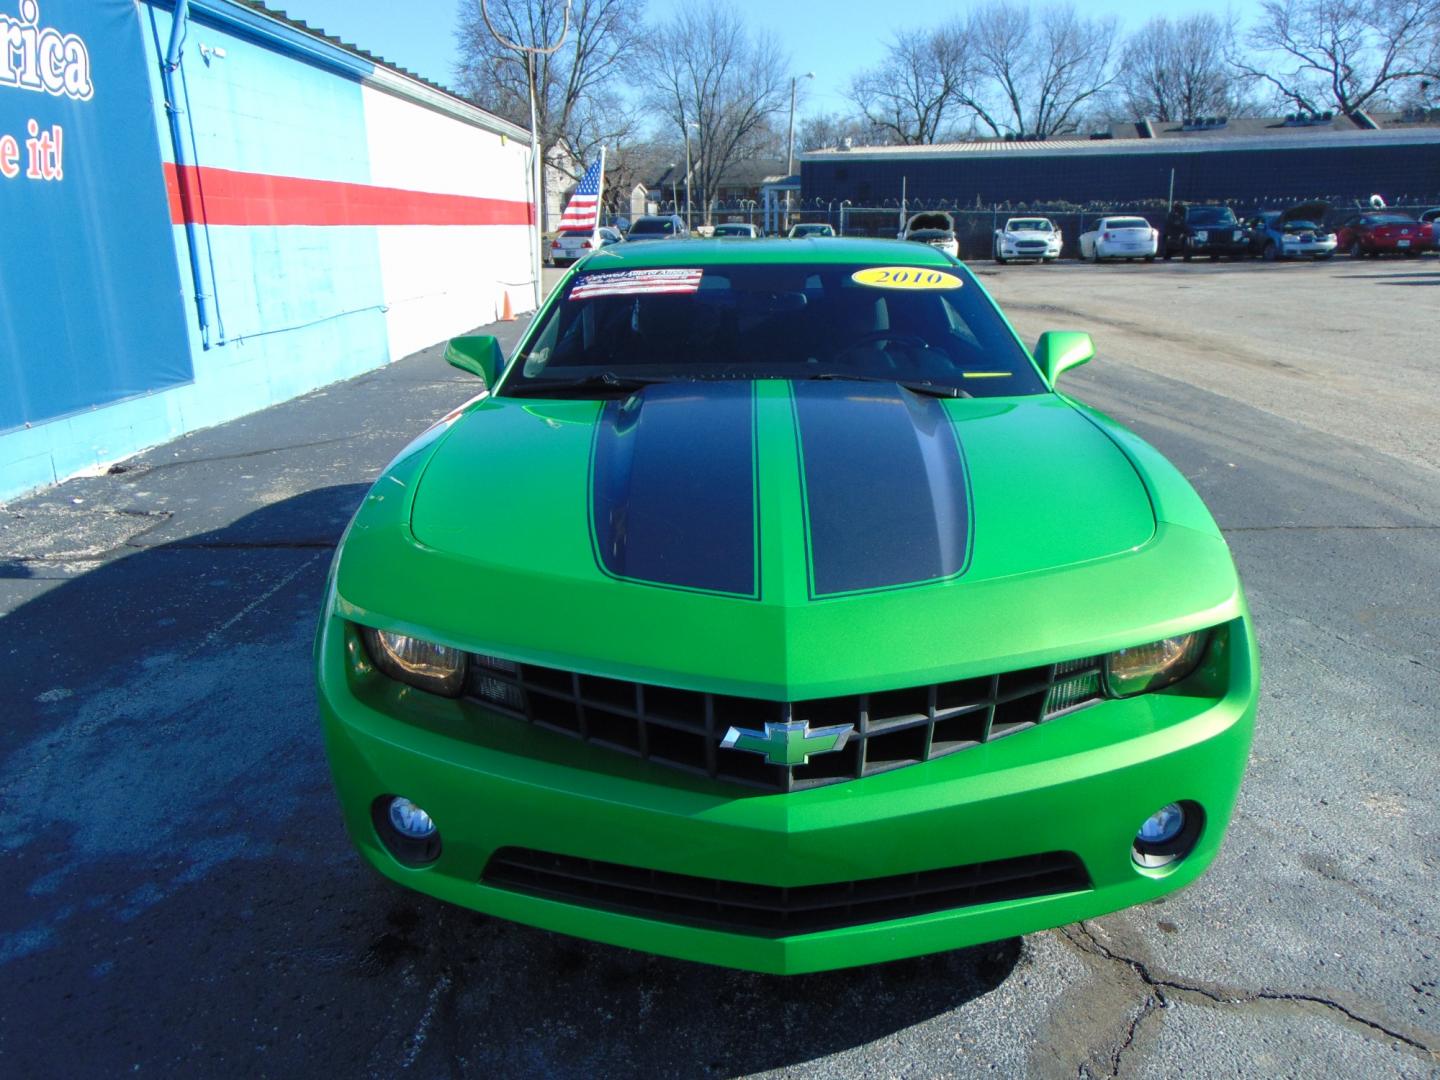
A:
{"points": [[683, 729], [773, 911]]}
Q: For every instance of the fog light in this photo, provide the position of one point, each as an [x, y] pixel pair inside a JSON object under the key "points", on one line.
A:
{"points": [[407, 832], [1165, 824], [415, 824], [1168, 835]]}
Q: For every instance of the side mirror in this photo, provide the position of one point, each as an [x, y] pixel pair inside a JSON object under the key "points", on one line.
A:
{"points": [[1061, 350], [480, 355]]}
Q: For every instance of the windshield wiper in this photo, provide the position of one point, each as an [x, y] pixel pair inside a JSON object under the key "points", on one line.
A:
{"points": [[925, 386], [607, 381]]}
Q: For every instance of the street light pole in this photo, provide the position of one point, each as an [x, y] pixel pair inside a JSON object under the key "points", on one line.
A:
{"points": [[532, 52], [790, 156]]}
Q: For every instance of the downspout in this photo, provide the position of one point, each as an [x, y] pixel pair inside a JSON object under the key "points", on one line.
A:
{"points": [[178, 29]]}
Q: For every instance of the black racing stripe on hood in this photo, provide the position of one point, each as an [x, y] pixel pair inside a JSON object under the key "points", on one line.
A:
{"points": [[673, 490], [887, 498]]}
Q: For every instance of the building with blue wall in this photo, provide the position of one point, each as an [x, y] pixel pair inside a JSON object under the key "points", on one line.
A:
{"points": [[206, 209], [1248, 162]]}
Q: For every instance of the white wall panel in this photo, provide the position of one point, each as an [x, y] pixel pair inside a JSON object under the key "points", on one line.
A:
{"points": [[443, 280], [424, 150], [440, 280]]}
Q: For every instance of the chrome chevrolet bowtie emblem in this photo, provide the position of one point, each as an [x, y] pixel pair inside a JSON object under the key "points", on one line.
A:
{"points": [[789, 742]]}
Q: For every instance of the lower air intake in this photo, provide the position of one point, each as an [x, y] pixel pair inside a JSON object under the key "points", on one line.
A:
{"points": [[772, 911]]}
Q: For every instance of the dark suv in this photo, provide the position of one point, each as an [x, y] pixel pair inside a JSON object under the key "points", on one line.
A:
{"points": [[1204, 230]]}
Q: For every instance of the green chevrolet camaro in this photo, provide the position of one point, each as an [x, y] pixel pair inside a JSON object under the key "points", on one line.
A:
{"points": [[775, 610]]}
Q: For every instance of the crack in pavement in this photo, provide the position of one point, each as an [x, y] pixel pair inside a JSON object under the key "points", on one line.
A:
{"points": [[1330, 528], [187, 545], [1092, 946], [1152, 1004], [237, 545], [1336, 635], [135, 472]]}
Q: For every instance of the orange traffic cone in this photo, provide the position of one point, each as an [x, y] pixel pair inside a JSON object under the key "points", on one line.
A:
{"points": [[507, 314]]}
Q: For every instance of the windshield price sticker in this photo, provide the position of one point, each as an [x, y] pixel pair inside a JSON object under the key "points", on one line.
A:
{"points": [[905, 277], [636, 283]]}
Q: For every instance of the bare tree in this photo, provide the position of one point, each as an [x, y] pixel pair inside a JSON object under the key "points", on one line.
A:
{"points": [[1040, 71], [1172, 70], [577, 108], [1345, 54], [633, 161], [708, 70], [820, 130], [918, 92]]}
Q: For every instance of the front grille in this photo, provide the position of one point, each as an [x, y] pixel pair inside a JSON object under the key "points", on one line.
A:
{"points": [[774, 911], [683, 729]]}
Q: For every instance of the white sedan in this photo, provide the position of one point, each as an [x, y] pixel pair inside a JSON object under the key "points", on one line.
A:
{"points": [[1120, 238], [1028, 238]]}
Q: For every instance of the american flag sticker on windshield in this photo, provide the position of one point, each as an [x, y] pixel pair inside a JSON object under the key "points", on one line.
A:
{"points": [[636, 283]]}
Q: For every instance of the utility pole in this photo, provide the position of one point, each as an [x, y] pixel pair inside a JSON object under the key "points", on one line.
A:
{"points": [[531, 53], [790, 157], [688, 168]]}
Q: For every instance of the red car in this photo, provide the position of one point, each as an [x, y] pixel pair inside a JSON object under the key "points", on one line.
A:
{"points": [[1385, 231]]}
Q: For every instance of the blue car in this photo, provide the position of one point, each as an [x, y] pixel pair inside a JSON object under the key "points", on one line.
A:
{"points": [[1296, 233]]}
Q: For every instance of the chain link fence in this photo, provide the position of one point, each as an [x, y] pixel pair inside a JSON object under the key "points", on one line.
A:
{"points": [[975, 226]]}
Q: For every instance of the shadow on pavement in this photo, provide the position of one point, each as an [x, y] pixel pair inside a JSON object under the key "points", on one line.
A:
{"points": [[179, 895]]}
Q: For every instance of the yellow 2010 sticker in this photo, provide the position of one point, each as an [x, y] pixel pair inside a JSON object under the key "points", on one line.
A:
{"points": [[905, 277]]}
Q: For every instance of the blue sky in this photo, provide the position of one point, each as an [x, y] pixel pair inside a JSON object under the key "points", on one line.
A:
{"points": [[419, 34]]}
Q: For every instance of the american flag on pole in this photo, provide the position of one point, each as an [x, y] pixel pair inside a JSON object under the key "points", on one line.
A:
{"points": [[583, 209]]}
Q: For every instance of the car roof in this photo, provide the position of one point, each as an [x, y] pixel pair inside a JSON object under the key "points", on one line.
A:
{"points": [[832, 250]]}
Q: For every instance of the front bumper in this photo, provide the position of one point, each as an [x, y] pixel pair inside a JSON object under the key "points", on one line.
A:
{"points": [[1216, 245], [1293, 249], [1081, 783], [1014, 251]]}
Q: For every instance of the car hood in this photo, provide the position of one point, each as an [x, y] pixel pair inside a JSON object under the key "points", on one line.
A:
{"points": [[1311, 211], [1028, 234], [778, 538], [885, 488]]}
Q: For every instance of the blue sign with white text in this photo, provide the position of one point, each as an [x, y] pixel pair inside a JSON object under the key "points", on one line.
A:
{"points": [[91, 310]]}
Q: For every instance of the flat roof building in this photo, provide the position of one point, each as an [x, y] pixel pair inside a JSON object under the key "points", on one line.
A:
{"points": [[1245, 161]]}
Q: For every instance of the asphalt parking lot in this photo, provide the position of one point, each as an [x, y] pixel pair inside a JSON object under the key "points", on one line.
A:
{"points": [[179, 897]]}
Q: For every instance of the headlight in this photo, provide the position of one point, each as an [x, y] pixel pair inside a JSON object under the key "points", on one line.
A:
{"points": [[420, 663], [1154, 666]]}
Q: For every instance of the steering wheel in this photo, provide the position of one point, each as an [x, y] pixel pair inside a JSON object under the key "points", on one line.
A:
{"points": [[910, 341]]}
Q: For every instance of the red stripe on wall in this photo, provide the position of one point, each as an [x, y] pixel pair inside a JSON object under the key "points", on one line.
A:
{"points": [[206, 196]]}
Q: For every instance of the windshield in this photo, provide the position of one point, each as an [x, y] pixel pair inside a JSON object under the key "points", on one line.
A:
{"points": [[1127, 223], [732, 230], [1210, 215], [614, 329], [813, 230], [1300, 226], [1390, 219], [661, 226], [1030, 225], [931, 234]]}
